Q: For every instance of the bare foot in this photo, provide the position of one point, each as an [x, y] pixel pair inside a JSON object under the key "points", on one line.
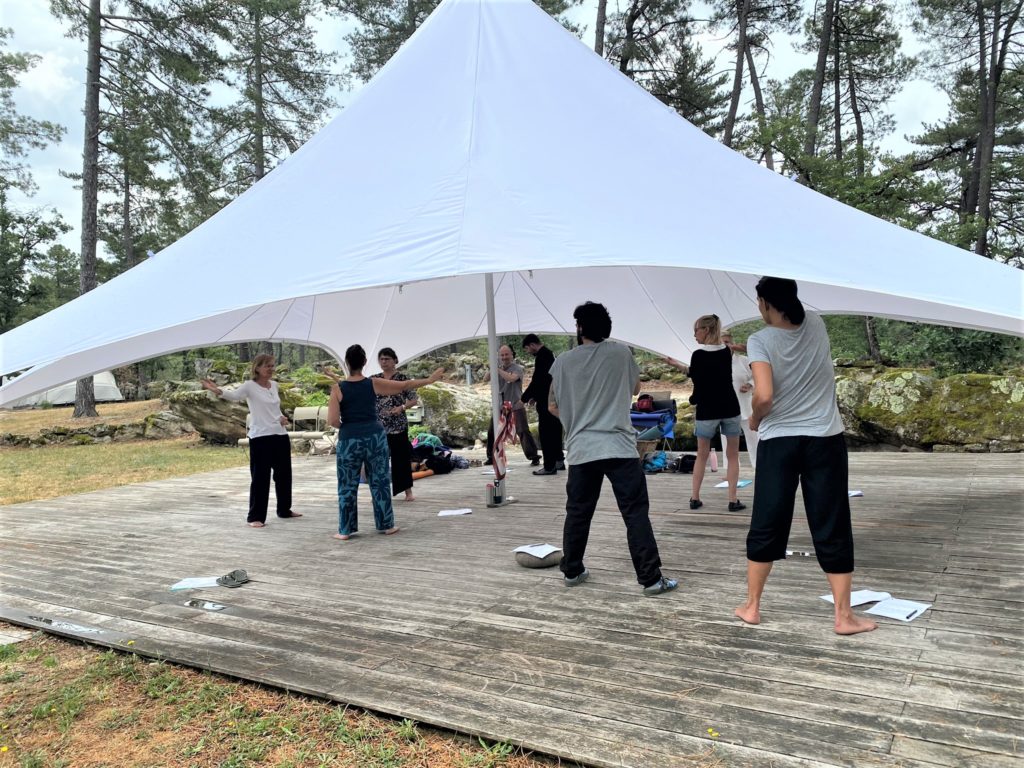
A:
{"points": [[410, 497], [391, 531], [256, 524], [854, 625], [750, 614], [343, 536]]}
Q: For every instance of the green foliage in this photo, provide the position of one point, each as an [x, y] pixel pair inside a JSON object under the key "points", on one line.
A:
{"points": [[316, 399], [23, 237], [19, 134]]}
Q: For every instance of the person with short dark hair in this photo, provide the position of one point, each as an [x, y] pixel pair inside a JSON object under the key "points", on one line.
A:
{"points": [[801, 443], [548, 425], [391, 414], [592, 387], [361, 440], [270, 449]]}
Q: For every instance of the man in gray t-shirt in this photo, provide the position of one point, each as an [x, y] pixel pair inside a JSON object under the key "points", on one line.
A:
{"points": [[592, 387], [794, 410]]}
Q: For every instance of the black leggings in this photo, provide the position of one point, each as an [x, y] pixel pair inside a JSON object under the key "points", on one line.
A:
{"points": [[820, 466], [270, 454], [401, 462]]}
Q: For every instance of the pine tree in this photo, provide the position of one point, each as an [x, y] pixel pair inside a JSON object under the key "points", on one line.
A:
{"points": [[651, 42]]}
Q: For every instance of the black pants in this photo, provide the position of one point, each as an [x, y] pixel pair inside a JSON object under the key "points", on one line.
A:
{"points": [[401, 462], [522, 432], [629, 485], [270, 454], [550, 429], [820, 466]]}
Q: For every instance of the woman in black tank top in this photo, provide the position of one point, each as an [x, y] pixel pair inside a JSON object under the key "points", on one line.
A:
{"points": [[362, 441]]}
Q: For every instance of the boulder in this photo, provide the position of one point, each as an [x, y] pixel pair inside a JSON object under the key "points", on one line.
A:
{"points": [[917, 410], [456, 414], [216, 420], [163, 425]]}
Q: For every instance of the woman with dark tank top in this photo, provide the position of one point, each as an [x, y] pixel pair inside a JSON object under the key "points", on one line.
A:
{"points": [[362, 441]]}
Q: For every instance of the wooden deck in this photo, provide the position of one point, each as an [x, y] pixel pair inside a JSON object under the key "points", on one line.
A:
{"points": [[440, 625]]}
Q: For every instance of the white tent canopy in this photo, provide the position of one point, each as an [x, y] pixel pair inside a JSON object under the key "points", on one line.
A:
{"points": [[550, 170], [105, 390]]}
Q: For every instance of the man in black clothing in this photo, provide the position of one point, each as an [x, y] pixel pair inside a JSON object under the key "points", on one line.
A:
{"points": [[548, 425]]}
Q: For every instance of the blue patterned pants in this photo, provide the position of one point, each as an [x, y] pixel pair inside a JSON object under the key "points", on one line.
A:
{"points": [[353, 453]]}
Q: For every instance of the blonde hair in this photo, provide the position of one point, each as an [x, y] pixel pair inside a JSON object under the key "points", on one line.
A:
{"points": [[258, 362], [712, 325]]}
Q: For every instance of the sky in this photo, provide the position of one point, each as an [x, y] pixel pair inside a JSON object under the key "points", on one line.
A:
{"points": [[53, 90]]}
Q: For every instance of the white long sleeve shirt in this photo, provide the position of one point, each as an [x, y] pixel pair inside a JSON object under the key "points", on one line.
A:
{"points": [[264, 407]]}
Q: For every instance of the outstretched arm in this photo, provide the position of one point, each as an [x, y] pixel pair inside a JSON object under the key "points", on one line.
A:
{"points": [[390, 387], [679, 365]]}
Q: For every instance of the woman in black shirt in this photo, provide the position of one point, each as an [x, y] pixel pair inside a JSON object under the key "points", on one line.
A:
{"points": [[710, 370]]}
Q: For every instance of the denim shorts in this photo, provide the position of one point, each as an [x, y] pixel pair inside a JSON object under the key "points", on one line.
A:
{"points": [[706, 429]]}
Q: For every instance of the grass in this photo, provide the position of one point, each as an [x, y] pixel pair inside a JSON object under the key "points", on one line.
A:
{"points": [[65, 704], [30, 474], [31, 421]]}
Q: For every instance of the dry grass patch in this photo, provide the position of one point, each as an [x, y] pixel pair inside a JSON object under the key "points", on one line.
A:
{"points": [[66, 704], [31, 474], [31, 421]]}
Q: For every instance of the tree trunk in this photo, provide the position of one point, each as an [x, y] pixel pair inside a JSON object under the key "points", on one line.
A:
{"points": [[85, 396], [974, 182], [874, 352], [743, 6], [837, 96], [814, 105], [1001, 38], [629, 29], [259, 151], [762, 120], [858, 120], [602, 16]]}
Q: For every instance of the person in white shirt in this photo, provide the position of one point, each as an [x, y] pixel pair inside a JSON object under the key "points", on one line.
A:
{"points": [[743, 385], [270, 451]]}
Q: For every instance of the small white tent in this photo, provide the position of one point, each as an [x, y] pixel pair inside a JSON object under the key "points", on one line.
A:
{"points": [[105, 390], [465, 157]]}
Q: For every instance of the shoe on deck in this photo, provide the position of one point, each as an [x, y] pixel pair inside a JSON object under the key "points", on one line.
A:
{"points": [[560, 466], [545, 471], [660, 586], [535, 461], [736, 506], [696, 503], [575, 581]]}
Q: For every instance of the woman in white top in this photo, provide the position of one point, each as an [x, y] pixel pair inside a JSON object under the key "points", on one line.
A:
{"points": [[269, 447], [743, 385]]}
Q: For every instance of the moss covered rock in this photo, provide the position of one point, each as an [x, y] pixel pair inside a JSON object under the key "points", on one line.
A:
{"points": [[914, 408], [456, 414], [216, 420]]}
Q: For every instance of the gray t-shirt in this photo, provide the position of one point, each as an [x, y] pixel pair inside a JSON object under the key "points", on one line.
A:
{"points": [[593, 386], [512, 391], [803, 380]]}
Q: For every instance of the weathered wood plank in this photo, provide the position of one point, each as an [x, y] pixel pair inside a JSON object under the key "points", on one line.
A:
{"points": [[440, 625]]}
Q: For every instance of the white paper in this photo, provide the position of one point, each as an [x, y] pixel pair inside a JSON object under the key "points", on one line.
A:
{"points": [[537, 550], [901, 610], [739, 484], [861, 596], [454, 512], [855, 493], [195, 582]]}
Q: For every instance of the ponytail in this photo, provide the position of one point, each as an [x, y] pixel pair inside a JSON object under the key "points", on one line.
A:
{"points": [[780, 292]]}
